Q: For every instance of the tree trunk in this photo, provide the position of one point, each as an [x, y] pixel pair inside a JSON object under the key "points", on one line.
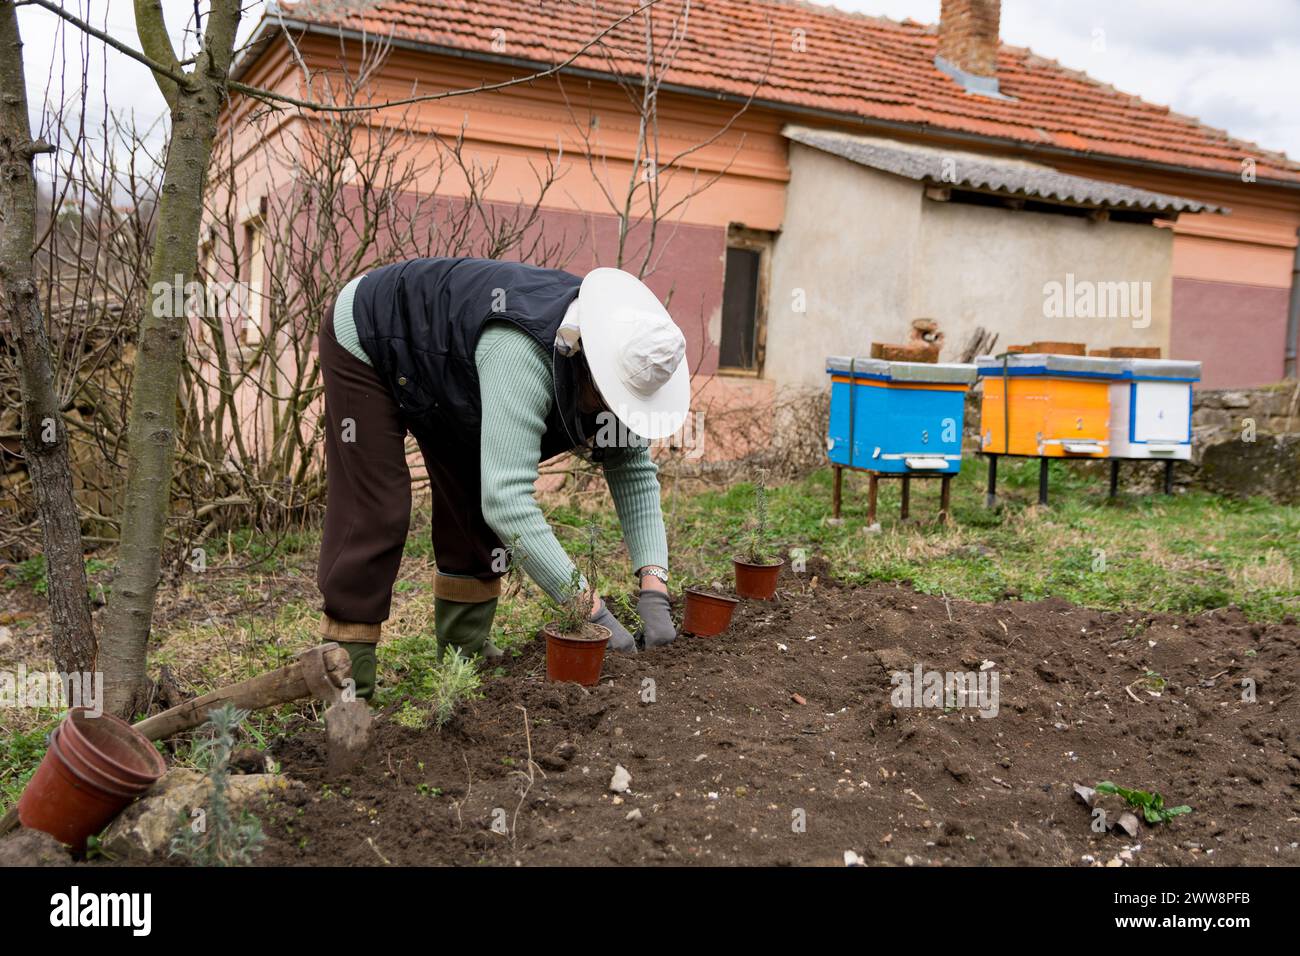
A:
{"points": [[45, 436], [151, 434]]}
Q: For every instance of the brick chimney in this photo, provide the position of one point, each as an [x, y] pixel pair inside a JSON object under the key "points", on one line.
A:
{"points": [[968, 40]]}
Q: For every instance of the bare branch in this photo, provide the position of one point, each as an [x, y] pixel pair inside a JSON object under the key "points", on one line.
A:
{"points": [[151, 27], [160, 69], [316, 106], [167, 69]]}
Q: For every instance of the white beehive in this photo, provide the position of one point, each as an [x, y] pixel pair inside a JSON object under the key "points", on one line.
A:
{"points": [[1151, 409]]}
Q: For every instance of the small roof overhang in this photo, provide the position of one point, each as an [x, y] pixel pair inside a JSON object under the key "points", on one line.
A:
{"points": [[993, 175]]}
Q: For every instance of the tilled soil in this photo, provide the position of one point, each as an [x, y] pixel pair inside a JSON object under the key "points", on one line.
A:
{"points": [[777, 743]]}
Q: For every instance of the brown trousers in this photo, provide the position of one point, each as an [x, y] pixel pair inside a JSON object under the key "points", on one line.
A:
{"points": [[368, 503]]}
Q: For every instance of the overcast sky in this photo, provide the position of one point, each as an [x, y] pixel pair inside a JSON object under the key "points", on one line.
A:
{"points": [[1234, 65]]}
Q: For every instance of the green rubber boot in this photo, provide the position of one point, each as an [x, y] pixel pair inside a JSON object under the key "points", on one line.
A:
{"points": [[466, 627], [364, 665]]}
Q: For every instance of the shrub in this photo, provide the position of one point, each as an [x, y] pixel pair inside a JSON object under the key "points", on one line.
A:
{"points": [[218, 836], [456, 679], [757, 548]]}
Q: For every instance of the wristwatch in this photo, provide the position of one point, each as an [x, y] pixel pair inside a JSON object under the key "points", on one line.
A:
{"points": [[651, 569]]}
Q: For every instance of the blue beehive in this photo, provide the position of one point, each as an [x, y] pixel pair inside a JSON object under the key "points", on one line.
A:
{"points": [[897, 417]]}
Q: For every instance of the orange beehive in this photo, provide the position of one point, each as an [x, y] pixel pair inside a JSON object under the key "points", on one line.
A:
{"points": [[1058, 405]]}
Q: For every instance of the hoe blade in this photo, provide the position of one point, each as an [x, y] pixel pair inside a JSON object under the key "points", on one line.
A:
{"points": [[347, 731]]}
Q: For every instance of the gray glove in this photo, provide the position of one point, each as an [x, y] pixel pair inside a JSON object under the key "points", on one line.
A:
{"points": [[619, 639], [656, 619]]}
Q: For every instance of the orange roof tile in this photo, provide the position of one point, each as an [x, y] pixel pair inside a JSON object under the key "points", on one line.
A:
{"points": [[851, 64]]}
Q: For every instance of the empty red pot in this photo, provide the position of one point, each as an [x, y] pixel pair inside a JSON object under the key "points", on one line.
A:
{"points": [[570, 657], [86, 779], [117, 749], [756, 580], [707, 614], [83, 765]]}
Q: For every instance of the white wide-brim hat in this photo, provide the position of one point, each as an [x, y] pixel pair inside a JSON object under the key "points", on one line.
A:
{"points": [[636, 353]]}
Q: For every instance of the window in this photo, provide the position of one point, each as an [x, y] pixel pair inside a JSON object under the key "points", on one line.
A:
{"points": [[251, 333], [744, 294], [203, 312]]}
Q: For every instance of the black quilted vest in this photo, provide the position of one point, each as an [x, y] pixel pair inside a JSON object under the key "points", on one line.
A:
{"points": [[420, 321]]}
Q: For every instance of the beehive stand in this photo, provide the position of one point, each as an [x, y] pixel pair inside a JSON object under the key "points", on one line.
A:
{"points": [[873, 492], [896, 420], [1114, 476], [991, 491]]}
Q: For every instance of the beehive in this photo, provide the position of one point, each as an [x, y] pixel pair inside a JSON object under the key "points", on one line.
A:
{"points": [[1059, 405], [1151, 409], [897, 417]]}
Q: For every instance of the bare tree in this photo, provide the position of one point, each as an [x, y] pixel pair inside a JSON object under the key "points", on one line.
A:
{"points": [[195, 98], [44, 434], [653, 195], [96, 200]]}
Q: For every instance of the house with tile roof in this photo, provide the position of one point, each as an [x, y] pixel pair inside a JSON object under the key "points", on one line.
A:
{"points": [[864, 177]]}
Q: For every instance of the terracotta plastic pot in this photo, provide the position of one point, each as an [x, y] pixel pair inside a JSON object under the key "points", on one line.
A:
{"points": [[78, 788], [756, 580], [573, 658], [707, 614], [115, 748], [83, 766]]}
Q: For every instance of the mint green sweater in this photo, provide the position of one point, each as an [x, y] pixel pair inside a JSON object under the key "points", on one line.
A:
{"points": [[515, 389]]}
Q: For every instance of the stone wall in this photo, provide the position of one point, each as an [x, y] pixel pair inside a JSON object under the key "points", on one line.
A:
{"points": [[1247, 441], [1275, 410]]}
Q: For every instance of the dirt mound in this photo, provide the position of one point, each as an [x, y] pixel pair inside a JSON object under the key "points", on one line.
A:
{"points": [[24, 847], [778, 743]]}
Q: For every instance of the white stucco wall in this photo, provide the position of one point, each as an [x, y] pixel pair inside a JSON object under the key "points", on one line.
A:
{"points": [[871, 253]]}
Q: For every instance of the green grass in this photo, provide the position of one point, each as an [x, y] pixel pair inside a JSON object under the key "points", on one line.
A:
{"points": [[31, 574], [1184, 553], [1181, 554], [20, 753]]}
